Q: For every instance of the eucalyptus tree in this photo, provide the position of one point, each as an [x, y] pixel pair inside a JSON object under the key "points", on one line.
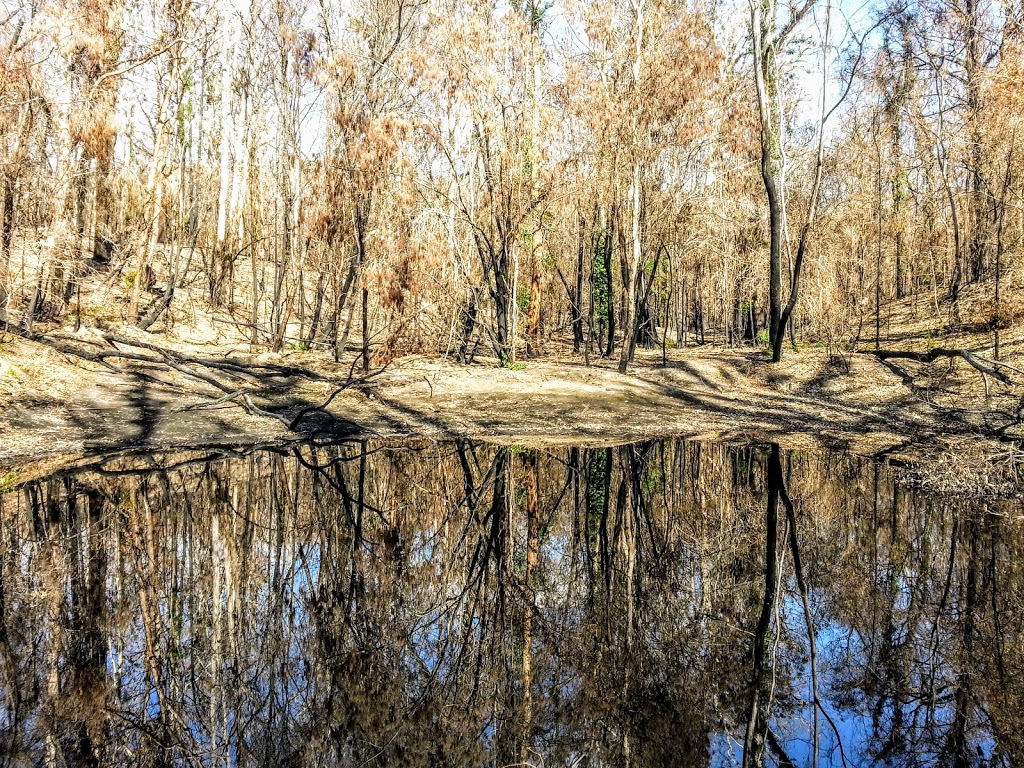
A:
{"points": [[369, 63], [897, 54], [535, 13], [771, 31], [648, 69], [18, 114], [88, 39], [495, 177], [175, 22], [228, 23]]}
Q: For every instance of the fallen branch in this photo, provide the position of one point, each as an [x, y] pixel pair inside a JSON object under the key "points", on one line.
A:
{"points": [[983, 366], [158, 308], [243, 398], [227, 364], [240, 397], [102, 359], [228, 398], [350, 381], [203, 369], [310, 409], [254, 409]]}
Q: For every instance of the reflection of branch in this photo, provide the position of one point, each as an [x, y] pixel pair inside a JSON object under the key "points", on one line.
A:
{"points": [[943, 601], [808, 618], [809, 621], [757, 719], [784, 760], [310, 464]]}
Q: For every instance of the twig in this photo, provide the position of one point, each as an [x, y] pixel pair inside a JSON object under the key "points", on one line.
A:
{"points": [[211, 403]]}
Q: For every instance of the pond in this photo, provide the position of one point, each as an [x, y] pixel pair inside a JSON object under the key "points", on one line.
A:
{"points": [[466, 604]]}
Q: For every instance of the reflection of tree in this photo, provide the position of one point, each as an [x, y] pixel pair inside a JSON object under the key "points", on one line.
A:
{"points": [[757, 733], [463, 604], [930, 631]]}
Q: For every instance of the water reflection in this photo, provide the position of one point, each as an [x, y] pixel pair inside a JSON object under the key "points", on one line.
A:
{"points": [[459, 604]]}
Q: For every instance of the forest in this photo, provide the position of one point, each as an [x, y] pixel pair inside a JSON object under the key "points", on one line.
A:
{"points": [[468, 177], [549, 382]]}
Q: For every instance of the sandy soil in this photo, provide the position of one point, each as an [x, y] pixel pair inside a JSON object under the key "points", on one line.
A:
{"points": [[57, 409]]}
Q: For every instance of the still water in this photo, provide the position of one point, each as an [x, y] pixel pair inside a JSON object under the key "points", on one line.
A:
{"points": [[463, 604]]}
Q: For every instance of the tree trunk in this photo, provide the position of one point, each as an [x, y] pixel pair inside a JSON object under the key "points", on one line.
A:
{"points": [[631, 277], [978, 247], [6, 238], [221, 263], [533, 314], [154, 193], [578, 341], [606, 256]]}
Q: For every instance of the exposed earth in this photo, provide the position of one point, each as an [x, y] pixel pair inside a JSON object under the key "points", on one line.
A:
{"points": [[59, 409]]}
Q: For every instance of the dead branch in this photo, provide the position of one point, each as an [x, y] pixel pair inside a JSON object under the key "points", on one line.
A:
{"points": [[227, 364], [310, 409], [203, 369], [158, 308], [984, 367], [228, 398], [255, 410]]}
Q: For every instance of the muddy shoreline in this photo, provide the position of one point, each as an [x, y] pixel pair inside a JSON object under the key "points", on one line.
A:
{"points": [[805, 404]]}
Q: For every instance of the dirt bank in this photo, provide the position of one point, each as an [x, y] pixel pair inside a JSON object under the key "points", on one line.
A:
{"points": [[58, 407]]}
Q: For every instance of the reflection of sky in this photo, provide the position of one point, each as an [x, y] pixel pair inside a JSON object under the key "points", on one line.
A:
{"points": [[854, 731], [852, 728], [436, 637]]}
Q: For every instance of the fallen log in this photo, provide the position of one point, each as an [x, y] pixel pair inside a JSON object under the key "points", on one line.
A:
{"points": [[984, 366]]}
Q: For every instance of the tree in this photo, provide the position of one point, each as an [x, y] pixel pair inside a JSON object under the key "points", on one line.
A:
{"points": [[769, 36], [17, 116]]}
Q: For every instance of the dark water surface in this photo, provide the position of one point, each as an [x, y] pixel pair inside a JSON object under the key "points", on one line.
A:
{"points": [[461, 604]]}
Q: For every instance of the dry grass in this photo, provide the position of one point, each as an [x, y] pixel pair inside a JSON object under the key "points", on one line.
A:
{"points": [[930, 319]]}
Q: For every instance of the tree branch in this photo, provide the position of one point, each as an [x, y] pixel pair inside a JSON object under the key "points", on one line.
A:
{"points": [[978, 363]]}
